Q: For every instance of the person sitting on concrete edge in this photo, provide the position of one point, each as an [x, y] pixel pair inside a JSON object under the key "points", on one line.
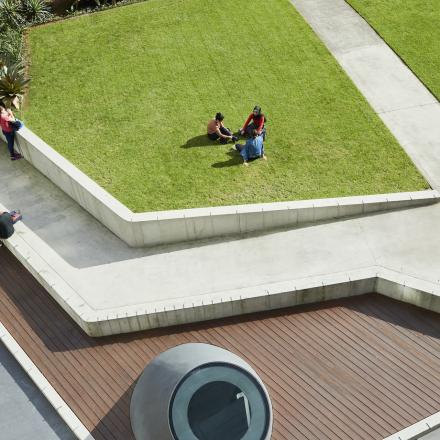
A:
{"points": [[258, 119], [9, 125], [216, 130], [7, 221], [253, 149]]}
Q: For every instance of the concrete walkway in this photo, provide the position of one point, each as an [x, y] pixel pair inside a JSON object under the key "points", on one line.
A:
{"points": [[24, 412], [111, 278]]}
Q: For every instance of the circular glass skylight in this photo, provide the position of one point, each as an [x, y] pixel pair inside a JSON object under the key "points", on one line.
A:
{"points": [[219, 401]]}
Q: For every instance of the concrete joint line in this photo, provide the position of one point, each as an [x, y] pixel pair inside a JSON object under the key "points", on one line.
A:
{"points": [[59, 405], [408, 108]]}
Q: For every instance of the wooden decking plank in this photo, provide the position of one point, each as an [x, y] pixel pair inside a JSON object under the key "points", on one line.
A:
{"points": [[310, 404], [305, 428], [327, 405], [332, 356], [68, 359], [363, 369], [409, 338], [346, 369], [384, 371], [392, 358]]}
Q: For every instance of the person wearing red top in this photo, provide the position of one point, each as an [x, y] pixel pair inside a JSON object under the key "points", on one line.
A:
{"points": [[6, 117], [258, 119]]}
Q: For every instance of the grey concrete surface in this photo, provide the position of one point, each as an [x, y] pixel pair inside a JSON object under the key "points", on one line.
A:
{"points": [[24, 413], [434, 435]]}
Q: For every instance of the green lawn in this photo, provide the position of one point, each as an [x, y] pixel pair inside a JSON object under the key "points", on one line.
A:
{"points": [[126, 95], [412, 29]]}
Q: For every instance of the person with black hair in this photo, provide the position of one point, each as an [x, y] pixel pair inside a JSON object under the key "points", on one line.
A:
{"points": [[7, 221], [7, 119], [216, 130], [258, 119]]}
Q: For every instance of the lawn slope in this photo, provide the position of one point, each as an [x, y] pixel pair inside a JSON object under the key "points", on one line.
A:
{"points": [[126, 94]]}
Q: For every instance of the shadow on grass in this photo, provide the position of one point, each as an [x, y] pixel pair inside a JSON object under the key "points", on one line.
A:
{"points": [[199, 141], [235, 159]]}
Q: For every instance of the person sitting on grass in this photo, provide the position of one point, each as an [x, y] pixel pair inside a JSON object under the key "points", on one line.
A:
{"points": [[7, 119], [253, 149], [216, 130], [258, 119], [7, 221]]}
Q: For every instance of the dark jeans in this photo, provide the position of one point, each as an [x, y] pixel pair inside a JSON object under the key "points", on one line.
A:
{"points": [[223, 130], [251, 127], [10, 139]]}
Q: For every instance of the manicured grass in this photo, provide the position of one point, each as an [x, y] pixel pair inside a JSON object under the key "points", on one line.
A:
{"points": [[126, 95], [412, 29]]}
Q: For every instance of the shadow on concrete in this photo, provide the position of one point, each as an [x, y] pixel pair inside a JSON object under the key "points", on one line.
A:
{"points": [[47, 424]]}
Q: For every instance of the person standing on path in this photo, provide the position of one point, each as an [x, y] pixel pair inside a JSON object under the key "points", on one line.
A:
{"points": [[6, 120]]}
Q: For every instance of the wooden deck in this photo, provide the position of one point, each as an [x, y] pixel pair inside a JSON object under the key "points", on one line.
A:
{"points": [[359, 368]]}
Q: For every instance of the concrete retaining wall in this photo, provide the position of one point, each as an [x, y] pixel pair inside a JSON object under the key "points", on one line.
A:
{"points": [[163, 227]]}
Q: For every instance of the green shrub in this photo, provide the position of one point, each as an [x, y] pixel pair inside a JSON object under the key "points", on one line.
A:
{"points": [[10, 15], [13, 84], [35, 11], [11, 46]]}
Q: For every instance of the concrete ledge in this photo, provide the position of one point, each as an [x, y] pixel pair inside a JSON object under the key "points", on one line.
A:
{"points": [[60, 406], [268, 297], [70, 300], [165, 313], [414, 432], [165, 227], [205, 307]]}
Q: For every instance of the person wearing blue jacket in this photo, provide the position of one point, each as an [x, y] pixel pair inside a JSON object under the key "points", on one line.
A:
{"points": [[253, 149]]}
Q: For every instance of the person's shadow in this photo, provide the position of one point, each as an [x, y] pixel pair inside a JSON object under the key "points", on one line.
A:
{"points": [[201, 140], [235, 159]]}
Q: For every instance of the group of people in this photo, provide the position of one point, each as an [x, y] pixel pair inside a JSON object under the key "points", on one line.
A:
{"points": [[9, 125], [253, 128]]}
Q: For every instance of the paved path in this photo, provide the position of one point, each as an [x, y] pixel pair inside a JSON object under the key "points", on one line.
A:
{"points": [[407, 108], [24, 412]]}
